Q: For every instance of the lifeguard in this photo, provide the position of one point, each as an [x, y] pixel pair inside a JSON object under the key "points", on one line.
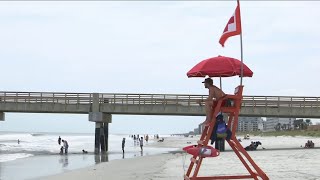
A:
{"points": [[214, 94]]}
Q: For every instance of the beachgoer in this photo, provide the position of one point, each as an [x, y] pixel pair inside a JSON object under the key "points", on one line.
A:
{"points": [[59, 140], [61, 150], [309, 144], [141, 143], [253, 146], [18, 141], [306, 145], [66, 146], [147, 138], [214, 94], [84, 151], [123, 144]]}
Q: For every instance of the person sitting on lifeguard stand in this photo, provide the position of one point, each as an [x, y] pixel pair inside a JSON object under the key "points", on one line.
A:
{"points": [[215, 94]]}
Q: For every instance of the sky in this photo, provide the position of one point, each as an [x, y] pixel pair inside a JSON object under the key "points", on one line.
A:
{"points": [[147, 47]]}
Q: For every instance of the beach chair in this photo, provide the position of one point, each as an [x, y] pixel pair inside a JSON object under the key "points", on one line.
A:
{"points": [[233, 110]]}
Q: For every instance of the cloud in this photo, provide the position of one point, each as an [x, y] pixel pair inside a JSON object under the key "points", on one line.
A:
{"points": [[147, 47]]}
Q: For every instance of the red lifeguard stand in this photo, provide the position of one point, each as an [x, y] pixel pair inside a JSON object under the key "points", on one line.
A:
{"points": [[233, 113]]}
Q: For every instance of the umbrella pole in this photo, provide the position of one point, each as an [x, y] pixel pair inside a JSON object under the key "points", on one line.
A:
{"points": [[220, 83]]}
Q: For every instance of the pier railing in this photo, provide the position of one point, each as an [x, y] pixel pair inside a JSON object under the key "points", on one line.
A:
{"points": [[153, 99], [45, 97], [197, 100]]}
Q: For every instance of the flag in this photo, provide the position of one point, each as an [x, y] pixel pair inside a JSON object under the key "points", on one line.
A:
{"points": [[233, 27]]}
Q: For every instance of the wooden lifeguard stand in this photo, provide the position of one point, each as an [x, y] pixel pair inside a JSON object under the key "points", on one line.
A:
{"points": [[233, 113]]}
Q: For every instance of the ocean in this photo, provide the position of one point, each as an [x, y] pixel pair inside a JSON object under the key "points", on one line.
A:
{"points": [[37, 150]]}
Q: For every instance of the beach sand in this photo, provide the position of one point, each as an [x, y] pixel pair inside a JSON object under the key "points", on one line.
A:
{"points": [[292, 163]]}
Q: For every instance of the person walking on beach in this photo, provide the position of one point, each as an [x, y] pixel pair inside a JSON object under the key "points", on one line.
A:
{"points": [[147, 138], [65, 146], [141, 143], [123, 144], [214, 94], [59, 140]]}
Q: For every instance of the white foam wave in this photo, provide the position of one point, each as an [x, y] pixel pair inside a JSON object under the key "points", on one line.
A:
{"points": [[11, 157], [48, 143]]}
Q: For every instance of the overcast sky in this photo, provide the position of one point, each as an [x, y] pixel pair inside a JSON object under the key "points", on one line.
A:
{"points": [[147, 47]]}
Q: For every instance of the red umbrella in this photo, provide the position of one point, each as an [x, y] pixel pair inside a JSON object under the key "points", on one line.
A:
{"points": [[220, 66]]}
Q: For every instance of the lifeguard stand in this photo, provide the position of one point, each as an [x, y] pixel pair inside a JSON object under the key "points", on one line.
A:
{"points": [[233, 113]]}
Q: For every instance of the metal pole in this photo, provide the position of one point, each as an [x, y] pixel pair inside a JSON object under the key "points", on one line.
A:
{"points": [[220, 83], [241, 58], [241, 46]]}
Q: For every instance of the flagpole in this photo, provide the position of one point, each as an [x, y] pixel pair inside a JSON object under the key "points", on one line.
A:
{"points": [[241, 58], [241, 47]]}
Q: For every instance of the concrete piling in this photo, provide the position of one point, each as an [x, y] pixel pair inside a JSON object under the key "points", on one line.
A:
{"points": [[102, 121], [2, 116]]}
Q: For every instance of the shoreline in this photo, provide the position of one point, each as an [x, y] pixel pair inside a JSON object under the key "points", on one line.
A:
{"points": [[162, 165], [28, 167], [58, 164], [277, 164], [291, 162]]}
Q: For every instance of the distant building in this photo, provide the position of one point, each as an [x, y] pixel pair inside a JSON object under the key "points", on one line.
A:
{"points": [[260, 125], [196, 131], [250, 124], [272, 124], [264, 125], [200, 127]]}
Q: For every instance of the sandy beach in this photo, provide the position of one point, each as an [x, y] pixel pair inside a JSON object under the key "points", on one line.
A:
{"points": [[293, 162]]}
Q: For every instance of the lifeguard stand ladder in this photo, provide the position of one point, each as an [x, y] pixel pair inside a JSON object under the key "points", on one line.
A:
{"points": [[233, 113]]}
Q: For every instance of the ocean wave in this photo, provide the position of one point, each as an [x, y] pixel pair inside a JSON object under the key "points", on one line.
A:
{"points": [[27, 152], [11, 157], [37, 134], [9, 141]]}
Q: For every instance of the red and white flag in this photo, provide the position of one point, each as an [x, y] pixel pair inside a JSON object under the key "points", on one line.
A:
{"points": [[233, 27]]}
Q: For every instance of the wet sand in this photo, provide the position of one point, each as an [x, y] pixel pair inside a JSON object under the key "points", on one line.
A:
{"points": [[38, 166]]}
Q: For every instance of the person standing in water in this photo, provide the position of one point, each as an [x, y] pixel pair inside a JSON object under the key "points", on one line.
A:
{"points": [[65, 146], [141, 143], [123, 144], [59, 140]]}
